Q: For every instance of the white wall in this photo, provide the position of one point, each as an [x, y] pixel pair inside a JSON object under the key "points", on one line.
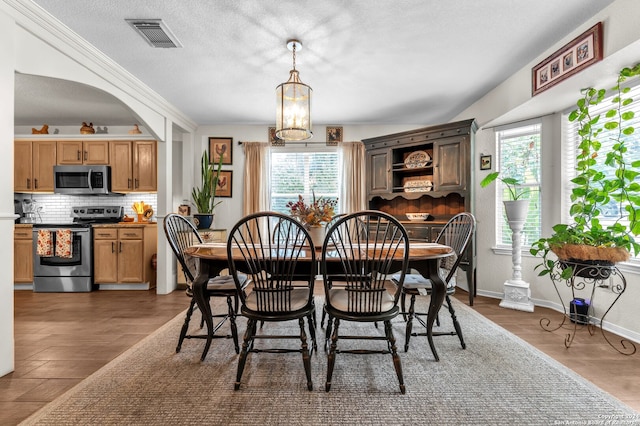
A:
{"points": [[512, 102]]}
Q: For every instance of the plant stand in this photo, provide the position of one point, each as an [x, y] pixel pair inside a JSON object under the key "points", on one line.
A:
{"points": [[586, 278], [517, 294]]}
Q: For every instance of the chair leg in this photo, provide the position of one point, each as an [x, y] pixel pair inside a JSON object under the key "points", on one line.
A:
{"points": [[331, 358], [312, 332], [306, 358], [248, 341], [324, 315], [327, 333], [185, 325], [394, 354], [232, 321], [409, 326], [456, 324], [403, 297]]}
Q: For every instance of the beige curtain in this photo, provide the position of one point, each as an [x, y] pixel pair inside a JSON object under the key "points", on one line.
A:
{"points": [[257, 189], [352, 191]]}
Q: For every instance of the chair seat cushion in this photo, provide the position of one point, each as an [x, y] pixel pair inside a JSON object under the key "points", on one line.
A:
{"points": [[299, 299], [416, 281], [225, 283], [339, 299]]}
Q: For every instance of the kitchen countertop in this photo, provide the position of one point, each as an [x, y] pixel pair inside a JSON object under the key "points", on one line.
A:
{"points": [[23, 225], [111, 225]]}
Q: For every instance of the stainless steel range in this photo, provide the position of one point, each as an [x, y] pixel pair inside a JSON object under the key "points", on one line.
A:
{"points": [[63, 253]]}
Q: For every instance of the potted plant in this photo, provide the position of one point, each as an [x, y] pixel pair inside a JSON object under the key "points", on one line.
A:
{"points": [[204, 197], [314, 215], [603, 180], [516, 208]]}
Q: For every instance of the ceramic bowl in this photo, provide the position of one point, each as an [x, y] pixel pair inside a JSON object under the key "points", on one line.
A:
{"points": [[417, 216]]}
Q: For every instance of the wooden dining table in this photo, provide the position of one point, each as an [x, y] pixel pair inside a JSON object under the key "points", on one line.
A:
{"points": [[423, 257]]}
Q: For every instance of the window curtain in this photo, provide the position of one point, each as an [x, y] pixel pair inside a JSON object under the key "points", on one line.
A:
{"points": [[257, 188], [352, 177]]}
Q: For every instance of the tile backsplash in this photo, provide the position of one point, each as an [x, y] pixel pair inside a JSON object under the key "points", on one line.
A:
{"points": [[56, 208]]}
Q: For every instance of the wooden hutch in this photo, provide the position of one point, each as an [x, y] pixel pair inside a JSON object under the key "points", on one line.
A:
{"points": [[425, 170]]}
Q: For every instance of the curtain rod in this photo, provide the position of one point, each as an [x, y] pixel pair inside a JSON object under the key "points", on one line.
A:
{"points": [[294, 143]]}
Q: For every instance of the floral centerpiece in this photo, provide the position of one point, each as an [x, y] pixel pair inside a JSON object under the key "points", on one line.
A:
{"points": [[320, 210]]}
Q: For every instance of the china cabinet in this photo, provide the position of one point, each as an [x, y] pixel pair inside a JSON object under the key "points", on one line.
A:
{"points": [[424, 170]]}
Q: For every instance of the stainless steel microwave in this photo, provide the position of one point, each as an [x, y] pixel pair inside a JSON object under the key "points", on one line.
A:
{"points": [[82, 180]]}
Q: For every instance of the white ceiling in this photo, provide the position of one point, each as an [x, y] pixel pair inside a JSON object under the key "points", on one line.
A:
{"points": [[368, 61]]}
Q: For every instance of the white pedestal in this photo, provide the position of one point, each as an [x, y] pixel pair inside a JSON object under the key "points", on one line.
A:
{"points": [[517, 295]]}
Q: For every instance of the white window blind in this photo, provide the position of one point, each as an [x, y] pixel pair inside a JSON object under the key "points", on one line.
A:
{"points": [[296, 171], [519, 158], [612, 211]]}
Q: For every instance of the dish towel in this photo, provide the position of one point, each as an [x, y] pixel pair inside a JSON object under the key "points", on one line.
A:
{"points": [[63, 243], [44, 247]]}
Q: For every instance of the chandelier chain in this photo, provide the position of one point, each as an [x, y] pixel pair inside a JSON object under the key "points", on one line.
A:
{"points": [[294, 56]]}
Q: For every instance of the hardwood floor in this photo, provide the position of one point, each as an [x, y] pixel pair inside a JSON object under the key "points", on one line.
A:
{"points": [[62, 338]]}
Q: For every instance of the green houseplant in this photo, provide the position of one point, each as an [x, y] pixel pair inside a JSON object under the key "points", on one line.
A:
{"points": [[512, 184], [602, 180], [204, 196]]}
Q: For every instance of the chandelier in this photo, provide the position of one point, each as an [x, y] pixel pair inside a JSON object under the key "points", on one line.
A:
{"points": [[293, 98]]}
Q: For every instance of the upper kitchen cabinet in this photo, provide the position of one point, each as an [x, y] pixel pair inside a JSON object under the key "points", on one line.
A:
{"points": [[83, 152], [33, 165], [133, 166]]}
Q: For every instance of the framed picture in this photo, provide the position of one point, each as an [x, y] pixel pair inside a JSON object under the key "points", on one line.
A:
{"points": [[485, 162], [273, 139], [225, 184], [581, 52], [334, 135], [218, 147]]}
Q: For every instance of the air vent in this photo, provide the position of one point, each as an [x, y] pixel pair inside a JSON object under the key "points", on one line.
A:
{"points": [[155, 32]]}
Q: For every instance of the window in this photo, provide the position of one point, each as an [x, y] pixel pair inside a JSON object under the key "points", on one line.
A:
{"points": [[519, 158], [613, 210], [303, 171]]}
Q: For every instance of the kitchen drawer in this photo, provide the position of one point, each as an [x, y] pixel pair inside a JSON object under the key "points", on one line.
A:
{"points": [[130, 233], [105, 233], [23, 233]]}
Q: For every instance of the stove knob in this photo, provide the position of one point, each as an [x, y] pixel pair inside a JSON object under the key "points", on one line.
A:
{"points": [[82, 211], [75, 211]]}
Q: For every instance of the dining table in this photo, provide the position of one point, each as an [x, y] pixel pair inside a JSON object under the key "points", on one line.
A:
{"points": [[423, 257]]}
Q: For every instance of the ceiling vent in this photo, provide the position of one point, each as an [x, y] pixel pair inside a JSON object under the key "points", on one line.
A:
{"points": [[155, 32]]}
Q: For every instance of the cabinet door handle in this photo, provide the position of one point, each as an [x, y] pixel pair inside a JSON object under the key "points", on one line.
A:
{"points": [[121, 247], [113, 247], [78, 156], [35, 184], [137, 183], [28, 183], [129, 183], [85, 156]]}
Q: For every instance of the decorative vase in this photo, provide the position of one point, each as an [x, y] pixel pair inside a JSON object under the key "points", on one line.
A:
{"points": [[202, 220], [317, 235]]}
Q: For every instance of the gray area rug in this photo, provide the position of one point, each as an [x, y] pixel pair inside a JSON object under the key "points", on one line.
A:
{"points": [[498, 379]]}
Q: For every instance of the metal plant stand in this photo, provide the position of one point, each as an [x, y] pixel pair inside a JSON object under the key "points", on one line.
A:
{"points": [[584, 278]]}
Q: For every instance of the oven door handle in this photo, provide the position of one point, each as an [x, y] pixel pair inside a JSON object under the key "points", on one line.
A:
{"points": [[89, 179]]}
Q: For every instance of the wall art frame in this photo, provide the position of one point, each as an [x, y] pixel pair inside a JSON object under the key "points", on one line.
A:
{"points": [[222, 146], [334, 135], [581, 52], [485, 162], [224, 188]]}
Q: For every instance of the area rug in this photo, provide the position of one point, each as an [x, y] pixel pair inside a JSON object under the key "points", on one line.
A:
{"points": [[498, 380]]}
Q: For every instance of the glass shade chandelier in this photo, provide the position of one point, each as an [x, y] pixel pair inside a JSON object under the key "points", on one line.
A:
{"points": [[293, 99]]}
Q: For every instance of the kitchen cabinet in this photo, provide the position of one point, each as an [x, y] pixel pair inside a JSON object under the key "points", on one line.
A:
{"points": [[83, 152], [33, 165], [424, 170], [134, 166], [23, 254], [122, 254]]}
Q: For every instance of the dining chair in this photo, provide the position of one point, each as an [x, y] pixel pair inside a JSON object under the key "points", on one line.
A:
{"points": [[457, 234], [282, 272], [359, 254], [181, 233]]}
